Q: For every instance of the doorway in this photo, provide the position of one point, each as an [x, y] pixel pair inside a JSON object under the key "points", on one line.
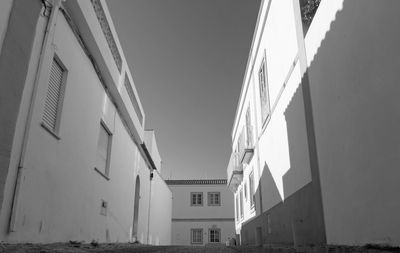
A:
{"points": [[136, 209]]}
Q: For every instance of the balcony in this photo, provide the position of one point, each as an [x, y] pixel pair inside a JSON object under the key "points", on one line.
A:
{"points": [[234, 172]]}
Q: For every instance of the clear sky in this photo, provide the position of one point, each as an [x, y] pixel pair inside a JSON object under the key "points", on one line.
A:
{"points": [[187, 58]]}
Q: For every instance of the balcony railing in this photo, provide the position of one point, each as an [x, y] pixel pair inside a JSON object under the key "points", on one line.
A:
{"points": [[234, 172]]}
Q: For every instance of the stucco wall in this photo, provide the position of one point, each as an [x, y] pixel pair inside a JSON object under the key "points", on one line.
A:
{"points": [[61, 194], [184, 215], [181, 231], [5, 10], [354, 92], [22, 29], [181, 207], [160, 212]]}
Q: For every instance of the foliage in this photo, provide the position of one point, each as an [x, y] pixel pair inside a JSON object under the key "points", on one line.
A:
{"points": [[308, 9]]}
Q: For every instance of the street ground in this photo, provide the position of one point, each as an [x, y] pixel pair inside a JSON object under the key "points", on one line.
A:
{"points": [[138, 248]]}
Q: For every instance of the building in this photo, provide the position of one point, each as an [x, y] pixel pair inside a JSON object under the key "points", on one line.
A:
{"points": [[202, 212], [315, 144], [75, 163]]}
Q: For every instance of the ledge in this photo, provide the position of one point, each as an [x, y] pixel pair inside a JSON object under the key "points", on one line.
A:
{"points": [[102, 174]]}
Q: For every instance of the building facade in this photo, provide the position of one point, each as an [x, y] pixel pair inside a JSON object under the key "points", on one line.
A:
{"points": [[75, 163], [315, 147], [202, 212]]}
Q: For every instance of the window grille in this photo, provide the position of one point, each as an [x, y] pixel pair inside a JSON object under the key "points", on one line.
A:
{"points": [[214, 235], [214, 199], [196, 198], [196, 235]]}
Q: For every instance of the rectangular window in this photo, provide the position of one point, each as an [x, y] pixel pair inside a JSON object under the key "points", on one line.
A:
{"points": [[103, 208], [249, 129], [54, 97], [264, 96], [196, 198], [237, 207], [214, 199], [251, 185], [214, 235], [245, 191], [241, 203], [103, 151], [196, 235]]}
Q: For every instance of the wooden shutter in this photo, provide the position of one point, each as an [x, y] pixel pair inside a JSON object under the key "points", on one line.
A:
{"points": [[53, 96], [102, 150]]}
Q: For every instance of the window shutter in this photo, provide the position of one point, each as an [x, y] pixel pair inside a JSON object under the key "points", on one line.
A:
{"points": [[53, 96], [102, 150]]}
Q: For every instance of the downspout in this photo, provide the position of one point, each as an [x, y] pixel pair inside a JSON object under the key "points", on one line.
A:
{"points": [[49, 32], [148, 214]]}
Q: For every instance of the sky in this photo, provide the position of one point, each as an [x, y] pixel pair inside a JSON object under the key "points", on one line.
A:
{"points": [[187, 59]]}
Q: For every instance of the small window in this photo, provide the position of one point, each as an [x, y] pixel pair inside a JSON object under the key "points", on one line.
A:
{"points": [[249, 129], [214, 235], [196, 235], [54, 97], [237, 207], [103, 208], [214, 199], [251, 185], [241, 203], [245, 191], [103, 151], [196, 198], [264, 96]]}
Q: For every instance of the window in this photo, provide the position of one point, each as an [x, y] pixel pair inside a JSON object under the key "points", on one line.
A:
{"points": [[196, 235], [264, 97], [241, 203], [245, 191], [237, 207], [103, 208], [196, 198], [54, 97], [249, 129], [214, 199], [251, 185], [214, 235], [103, 151]]}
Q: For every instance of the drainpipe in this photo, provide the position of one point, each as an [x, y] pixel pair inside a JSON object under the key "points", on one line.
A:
{"points": [[47, 41], [148, 213]]}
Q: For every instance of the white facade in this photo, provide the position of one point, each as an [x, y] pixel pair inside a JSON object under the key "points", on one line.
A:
{"points": [[323, 166], [204, 217], [73, 146]]}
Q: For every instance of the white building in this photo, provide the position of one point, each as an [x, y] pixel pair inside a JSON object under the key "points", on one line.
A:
{"points": [[202, 212], [75, 163], [315, 143]]}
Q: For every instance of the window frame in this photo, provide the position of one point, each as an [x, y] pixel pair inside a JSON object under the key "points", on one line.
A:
{"points": [[192, 230], [241, 204], [209, 198], [106, 172], [265, 91], [56, 131], [215, 230], [252, 193], [191, 198]]}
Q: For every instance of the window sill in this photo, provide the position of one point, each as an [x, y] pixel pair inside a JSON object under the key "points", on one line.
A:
{"points": [[102, 174], [50, 131]]}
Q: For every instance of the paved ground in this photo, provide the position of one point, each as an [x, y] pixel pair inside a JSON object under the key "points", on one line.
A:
{"points": [[115, 248], [137, 248]]}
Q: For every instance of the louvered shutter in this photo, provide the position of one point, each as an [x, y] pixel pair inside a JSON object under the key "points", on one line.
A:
{"points": [[53, 96], [102, 150]]}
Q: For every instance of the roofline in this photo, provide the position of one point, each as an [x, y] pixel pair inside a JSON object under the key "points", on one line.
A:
{"points": [[238, 106]]}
